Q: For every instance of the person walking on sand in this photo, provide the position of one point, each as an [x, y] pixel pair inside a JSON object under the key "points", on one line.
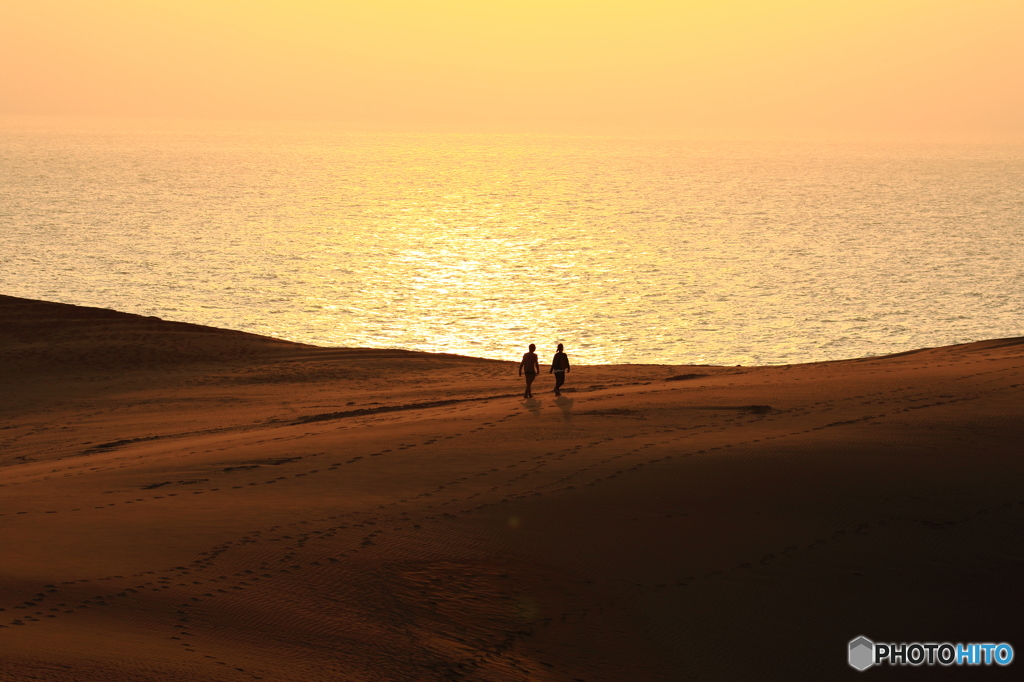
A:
{"points": [[560, 367], [531, 368]]}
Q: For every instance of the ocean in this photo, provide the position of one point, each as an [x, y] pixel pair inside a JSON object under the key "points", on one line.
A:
{"points": [[625, 249]]}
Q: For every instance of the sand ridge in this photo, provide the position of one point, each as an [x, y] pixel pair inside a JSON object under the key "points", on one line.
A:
{"points": [[186, 503]]}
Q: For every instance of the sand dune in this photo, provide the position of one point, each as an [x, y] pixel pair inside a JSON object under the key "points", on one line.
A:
{"points": [[187, 503]]}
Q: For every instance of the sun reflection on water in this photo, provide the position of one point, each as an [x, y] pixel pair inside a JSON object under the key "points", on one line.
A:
{"points": [[648, 251]]}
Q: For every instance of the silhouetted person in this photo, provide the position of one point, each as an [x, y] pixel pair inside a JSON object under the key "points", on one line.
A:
{"points": [[531, 368], [560, 367]]}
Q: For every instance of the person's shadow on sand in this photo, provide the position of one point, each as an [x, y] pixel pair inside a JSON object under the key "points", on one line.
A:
{"points": [[533, 405], [565, 405]]}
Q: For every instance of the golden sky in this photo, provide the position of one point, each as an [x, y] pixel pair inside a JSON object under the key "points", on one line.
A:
{"points": [[829, 64]]}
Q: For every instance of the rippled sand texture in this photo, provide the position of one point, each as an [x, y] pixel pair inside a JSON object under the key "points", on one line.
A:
{"points": [[186, 503], [627, 250]]}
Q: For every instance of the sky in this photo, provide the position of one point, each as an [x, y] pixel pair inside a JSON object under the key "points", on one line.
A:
{"points": [[524, 64]]}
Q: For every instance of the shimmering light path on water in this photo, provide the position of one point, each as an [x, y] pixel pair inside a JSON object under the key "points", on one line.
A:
{"points": [[627, 250]]}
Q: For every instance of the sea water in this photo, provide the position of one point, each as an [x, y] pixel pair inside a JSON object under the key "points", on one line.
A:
{"points": [[626, 249]]}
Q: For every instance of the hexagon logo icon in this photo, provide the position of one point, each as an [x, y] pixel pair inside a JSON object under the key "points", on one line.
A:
{"points": [[862, 653]]}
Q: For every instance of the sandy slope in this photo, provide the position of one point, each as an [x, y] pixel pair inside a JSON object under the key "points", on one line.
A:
{"points": [[186, 503]]}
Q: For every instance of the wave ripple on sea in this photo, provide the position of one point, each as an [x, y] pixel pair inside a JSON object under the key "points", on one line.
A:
{"points": [[628, 250]]}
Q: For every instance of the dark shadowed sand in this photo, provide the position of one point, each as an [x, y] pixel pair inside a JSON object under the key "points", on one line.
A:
{"points": [[185, 503]]}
